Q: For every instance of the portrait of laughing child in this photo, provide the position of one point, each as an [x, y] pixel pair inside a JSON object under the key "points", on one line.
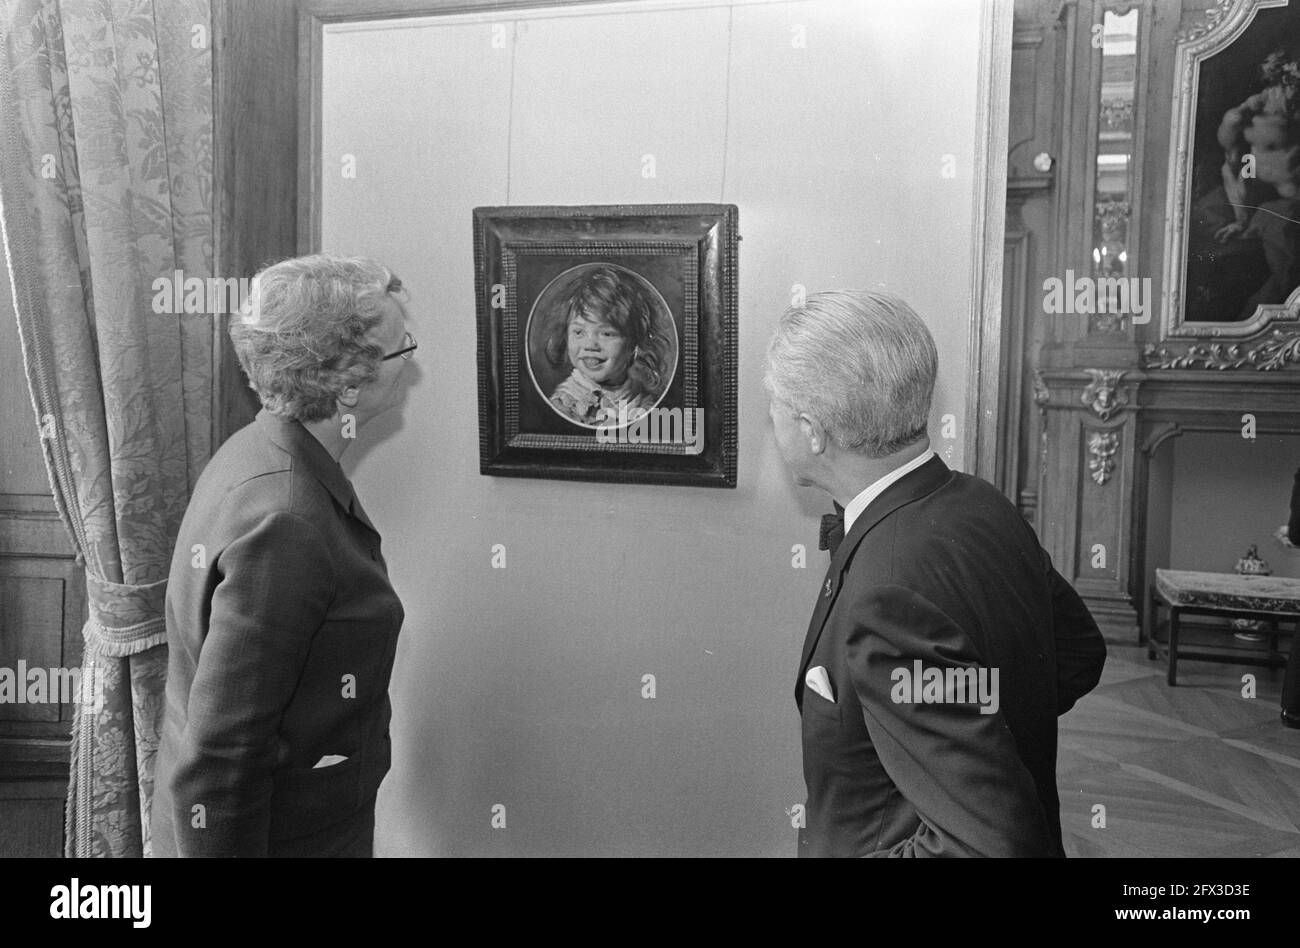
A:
{"points": [[602, 330]]}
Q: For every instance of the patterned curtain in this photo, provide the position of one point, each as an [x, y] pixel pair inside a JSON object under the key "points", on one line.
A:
{"points": [[106, 186]]}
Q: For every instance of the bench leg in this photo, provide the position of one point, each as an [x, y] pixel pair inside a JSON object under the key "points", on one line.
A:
{"points": [[1291, 679], [1173, 646], [1144, 620], [1152, 620]]}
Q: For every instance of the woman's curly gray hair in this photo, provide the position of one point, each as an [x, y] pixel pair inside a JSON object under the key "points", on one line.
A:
{"points": [[301, 334]]}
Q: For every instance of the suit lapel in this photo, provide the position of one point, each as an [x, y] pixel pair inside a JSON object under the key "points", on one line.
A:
{"points": [[359, 512], [926, 479], [302, 445]]}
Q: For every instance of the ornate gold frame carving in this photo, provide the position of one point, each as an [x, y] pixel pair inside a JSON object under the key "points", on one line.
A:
{"points": [[1213, 17], [1266, 355]]}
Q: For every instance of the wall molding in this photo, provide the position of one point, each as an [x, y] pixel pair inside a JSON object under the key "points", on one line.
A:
{"points": [[984, 368]]}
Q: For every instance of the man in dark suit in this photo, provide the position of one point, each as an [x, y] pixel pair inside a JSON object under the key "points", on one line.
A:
{"points": [[943, 645]]}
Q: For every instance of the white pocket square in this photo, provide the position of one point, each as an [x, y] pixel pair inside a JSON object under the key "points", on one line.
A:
{"points": [[329, 760], [820, 682]]}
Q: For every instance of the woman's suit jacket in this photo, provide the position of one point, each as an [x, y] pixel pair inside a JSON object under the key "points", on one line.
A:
{"points": [[282, 627]]}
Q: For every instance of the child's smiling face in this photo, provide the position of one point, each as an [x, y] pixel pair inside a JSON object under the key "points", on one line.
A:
{"points": [[599, 350]]}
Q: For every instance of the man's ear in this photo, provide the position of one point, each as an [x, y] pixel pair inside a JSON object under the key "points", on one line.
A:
{"points": [[814, 433]]}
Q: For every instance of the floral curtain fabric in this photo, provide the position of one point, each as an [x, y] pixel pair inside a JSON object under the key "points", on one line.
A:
{"points": [[105, 187]]}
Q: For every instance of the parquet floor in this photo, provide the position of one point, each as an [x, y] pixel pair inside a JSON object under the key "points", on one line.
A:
{"points": [[1195, 770]]}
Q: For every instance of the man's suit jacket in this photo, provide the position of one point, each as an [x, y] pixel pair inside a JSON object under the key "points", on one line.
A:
{"points": [[281, 628], [940, 569]]}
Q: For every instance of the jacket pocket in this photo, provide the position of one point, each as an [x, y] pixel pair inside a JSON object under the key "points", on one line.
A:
{"points": [[306, 800], [816, 704]]}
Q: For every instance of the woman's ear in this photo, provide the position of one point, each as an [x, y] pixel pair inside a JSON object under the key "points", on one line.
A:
{"points": [[349, 397]]}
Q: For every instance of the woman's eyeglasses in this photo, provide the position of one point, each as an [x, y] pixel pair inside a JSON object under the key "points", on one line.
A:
{"points": [[409, 345]]}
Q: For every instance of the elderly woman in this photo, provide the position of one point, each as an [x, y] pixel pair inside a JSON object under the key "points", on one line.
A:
{"points": [[281, 621]]}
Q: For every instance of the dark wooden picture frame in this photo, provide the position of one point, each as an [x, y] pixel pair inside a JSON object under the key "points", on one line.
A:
{"points": [[666, 276]]}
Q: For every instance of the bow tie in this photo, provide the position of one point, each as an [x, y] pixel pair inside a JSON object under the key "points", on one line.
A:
{"points": [[832, 530]]}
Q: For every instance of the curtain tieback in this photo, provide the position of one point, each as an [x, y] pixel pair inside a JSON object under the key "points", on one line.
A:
{"points": [[124, 619]]}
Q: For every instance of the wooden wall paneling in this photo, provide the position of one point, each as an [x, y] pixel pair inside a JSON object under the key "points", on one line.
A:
{"points": [[1143, 159], [1022, 130], [42, 610], [1060, 482], [32, 822], [1031, 240], [1074, 187], [255, 164], [1152, 511], [1077, 511], [1105, 520], [987, 394], [31, 614], [1012, 402]]}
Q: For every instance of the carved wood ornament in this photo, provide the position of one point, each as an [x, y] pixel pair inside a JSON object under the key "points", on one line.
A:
{"points": [[1103, 395]]}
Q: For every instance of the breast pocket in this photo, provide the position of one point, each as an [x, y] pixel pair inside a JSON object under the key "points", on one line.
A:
{"points": [[815, 704]]}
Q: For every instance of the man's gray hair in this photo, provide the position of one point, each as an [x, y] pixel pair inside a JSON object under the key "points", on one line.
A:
{"points": [[861, 363], [301, 334]]}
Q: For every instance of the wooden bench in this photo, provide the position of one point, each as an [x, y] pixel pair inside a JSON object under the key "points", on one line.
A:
{"points": [[1270, 599]]}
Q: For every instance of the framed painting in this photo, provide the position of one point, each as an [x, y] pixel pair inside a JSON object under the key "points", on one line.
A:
{"points": [[1232, 267], [607, 342]]}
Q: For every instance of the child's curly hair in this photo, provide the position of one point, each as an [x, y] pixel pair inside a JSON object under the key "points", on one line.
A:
{"points": [[610, 294]]}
